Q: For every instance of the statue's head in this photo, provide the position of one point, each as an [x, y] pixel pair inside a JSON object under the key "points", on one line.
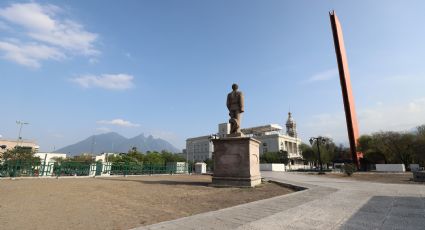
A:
{"points": [[235, 86]]}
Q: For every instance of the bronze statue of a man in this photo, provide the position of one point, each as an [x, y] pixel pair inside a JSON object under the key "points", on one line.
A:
{"points": [[235, 104]]}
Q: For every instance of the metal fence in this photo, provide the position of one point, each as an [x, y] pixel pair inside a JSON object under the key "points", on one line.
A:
{"points": [[17, 168]]}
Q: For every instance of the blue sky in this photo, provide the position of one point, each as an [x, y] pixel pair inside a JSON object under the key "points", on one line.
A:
{"points": [[76, 68]]}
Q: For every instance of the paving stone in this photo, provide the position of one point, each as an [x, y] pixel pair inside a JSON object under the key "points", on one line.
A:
{"points": [[326, 204]]}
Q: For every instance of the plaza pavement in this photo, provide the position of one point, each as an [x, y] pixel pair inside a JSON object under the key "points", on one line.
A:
{"points": [[326, 203]]}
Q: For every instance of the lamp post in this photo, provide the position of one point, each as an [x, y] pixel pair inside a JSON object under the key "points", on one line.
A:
{"points": [[20, 123], [318, 140]]}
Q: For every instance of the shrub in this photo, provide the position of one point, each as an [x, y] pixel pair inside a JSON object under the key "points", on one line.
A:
{"points": [[349, 169]]}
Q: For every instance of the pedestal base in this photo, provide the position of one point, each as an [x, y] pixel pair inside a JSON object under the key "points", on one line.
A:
{"points": [[236, 162], [235, 182]]}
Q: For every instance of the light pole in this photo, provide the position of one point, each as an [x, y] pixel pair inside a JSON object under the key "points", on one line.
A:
{"points": [[318, 140], [20, 123]]}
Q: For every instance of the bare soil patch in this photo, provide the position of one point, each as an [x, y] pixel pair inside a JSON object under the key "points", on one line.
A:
{"points": [[392, 178], [116, 202]]}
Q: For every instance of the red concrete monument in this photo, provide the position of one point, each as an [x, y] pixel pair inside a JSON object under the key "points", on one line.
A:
{"points": [[347, 94]]}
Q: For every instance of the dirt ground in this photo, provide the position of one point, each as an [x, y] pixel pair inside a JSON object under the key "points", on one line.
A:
{"points": [[116, 202], [392, 178]]}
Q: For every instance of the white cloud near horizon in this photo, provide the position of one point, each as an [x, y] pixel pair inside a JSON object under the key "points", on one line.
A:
{"points": [[323, 76], [118, 122], [105, 81], [396, 117], [45, 27], [103, 129]]}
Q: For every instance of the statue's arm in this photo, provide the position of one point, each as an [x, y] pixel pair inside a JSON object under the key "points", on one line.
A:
{"points": [[241, 100], [228, 101]]}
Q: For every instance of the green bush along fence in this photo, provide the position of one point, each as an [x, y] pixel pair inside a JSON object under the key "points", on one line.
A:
{"points": [[18, 168]]}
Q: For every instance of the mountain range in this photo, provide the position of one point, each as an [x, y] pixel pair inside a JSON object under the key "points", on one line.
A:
{"points": [[114, 142]]}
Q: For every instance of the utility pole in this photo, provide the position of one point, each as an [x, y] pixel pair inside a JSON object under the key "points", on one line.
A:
{"points": [[20, 124]]}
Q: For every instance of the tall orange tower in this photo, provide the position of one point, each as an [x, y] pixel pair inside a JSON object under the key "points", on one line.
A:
{"points": [[347, 93]]}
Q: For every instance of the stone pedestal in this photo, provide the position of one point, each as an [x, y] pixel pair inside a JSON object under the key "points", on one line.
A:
{"points": [[236, 162]]}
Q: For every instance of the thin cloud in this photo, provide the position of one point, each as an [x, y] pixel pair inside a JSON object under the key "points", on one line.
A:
{"points": [[29, 55], [4, 26], [167, 135], [103, 129], [45, 26], [106, 81], [324, 76], [118, 122]]}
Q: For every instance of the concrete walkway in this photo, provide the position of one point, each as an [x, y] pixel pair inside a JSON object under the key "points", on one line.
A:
{"points": [[326, 204]]}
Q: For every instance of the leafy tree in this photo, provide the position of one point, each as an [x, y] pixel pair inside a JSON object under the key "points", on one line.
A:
{"points": [[170, 157], [284, 156], [135, 156], [308, 153], [342, 154], [58, 159], [84, 158], [418, 146], [327, 151], [349, 169], [396, 146], [420, 131], [210, 164], [20, 153], [275, 157], [154, 158], [371, 151], [390, 147]]}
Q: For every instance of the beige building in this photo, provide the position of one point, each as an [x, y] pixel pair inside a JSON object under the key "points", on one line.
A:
{"points": [[273, 139], [7, 144]]}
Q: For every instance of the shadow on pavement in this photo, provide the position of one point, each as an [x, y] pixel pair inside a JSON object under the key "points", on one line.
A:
{"points": [[389, 212]]}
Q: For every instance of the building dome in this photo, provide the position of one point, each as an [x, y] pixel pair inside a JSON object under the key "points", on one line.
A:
{"points": [[291, 126]]}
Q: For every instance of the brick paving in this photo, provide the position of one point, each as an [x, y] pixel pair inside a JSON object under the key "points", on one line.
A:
{"points": [[326, 203]]}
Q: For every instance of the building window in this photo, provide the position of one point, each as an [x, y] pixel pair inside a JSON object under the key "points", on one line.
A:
{"points": [[264, 144]]}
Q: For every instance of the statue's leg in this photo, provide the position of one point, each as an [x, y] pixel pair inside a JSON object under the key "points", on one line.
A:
{"points": [[238, 122], [233, 122]]}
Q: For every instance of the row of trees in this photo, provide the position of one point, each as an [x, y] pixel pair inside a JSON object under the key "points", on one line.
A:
{"points": [[19, 153], [329, 152], [275, 157], [380, 147], [135, 156], [394, 147]]}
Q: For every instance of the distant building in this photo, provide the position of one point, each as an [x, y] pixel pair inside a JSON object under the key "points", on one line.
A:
{"points": [[272, 137], [50, 157], [199, 149], [274, 140], [10, 144], [103, 157]]}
